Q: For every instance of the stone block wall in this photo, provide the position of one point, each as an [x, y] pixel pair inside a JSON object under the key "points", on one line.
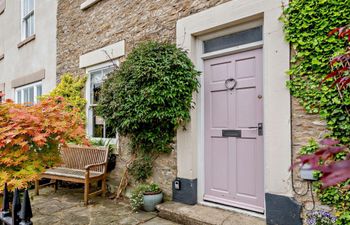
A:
{"points": [[109, 21], [304, 127]]}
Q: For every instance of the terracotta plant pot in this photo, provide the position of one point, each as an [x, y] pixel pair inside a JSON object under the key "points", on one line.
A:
{"points": [[150, 200]]}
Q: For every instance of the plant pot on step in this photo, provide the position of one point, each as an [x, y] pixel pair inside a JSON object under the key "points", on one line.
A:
{"points": [[151, 199]]}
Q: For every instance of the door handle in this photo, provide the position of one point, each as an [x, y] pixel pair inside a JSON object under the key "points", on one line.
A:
{"points": [[260, 129]]}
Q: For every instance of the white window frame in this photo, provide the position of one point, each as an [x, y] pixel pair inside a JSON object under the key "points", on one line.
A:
{"points": [[89, 105], [22, 88], [24, 17]]}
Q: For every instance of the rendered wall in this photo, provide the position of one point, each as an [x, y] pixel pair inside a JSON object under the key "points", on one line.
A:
{"points": [[37, 55]]}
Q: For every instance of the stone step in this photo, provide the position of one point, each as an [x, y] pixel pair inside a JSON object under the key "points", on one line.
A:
{"points": [[204, 215]]}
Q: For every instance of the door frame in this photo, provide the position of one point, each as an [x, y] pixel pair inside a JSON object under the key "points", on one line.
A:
{"points": [[201, 57]]}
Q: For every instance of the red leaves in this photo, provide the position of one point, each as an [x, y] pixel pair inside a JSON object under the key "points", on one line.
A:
{"points": [[30, 136], [333, 171], [340, 64]]}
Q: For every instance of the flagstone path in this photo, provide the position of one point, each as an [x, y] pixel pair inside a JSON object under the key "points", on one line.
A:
{"points": [[65, 207]]}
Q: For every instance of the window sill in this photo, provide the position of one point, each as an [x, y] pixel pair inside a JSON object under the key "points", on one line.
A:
{"points": [[2, 56], [26, 41], [88, 3]]}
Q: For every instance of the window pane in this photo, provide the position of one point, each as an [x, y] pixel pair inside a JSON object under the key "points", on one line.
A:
{"points": [[30, 5], [19, 97], [107, 71], [31, 94], [39, 90], [111, 132], [25, 95], [96, 83], [32, 24], [29, 26], [25, 7], [232, 40], [97, 125]]}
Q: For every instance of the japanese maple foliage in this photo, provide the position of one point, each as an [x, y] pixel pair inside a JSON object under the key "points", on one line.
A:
{"points": [[30, 137], [341, 64], [333, 171]]}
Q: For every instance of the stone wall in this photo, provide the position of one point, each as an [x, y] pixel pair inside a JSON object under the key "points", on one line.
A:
{"points": [[304, 127], [110, 21]]}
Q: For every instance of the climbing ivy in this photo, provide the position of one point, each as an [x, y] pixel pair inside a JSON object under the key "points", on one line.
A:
{"points": [[148, 98], [307, 24]]}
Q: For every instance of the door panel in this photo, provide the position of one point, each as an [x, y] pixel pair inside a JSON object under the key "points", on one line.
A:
{"points": [[234, 165]]}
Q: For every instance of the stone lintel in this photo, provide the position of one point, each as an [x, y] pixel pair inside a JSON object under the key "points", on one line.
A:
{"points": [[31, 78], [101, 55]]}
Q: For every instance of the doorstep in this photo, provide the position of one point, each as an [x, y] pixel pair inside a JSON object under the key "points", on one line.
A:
{"points": [[204, 215]]}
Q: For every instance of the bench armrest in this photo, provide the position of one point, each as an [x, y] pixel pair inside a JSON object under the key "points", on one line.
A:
{"points": [[88, 167]]}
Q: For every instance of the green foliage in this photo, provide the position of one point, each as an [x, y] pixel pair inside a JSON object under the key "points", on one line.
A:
{"points": [[136, 200], [310, 148], [150, 97], [306, 26], [141, 168], [70, 88], [344, 218], [336, 196]]}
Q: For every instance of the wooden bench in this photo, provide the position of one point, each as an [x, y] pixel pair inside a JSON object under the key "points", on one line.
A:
{"points": [[79, 165]]}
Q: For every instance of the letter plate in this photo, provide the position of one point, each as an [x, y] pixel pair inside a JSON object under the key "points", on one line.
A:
{"points": [[231, 133]]}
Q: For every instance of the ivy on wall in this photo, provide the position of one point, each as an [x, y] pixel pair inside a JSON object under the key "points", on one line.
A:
{"points": [[307, 24]]}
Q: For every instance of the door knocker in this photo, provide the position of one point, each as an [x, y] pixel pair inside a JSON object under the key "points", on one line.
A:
{"points": [[230, 84]]}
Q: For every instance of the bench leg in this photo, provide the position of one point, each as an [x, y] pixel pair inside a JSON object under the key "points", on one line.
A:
{"points": [[56, 185], [86, 192], [37, 187], [104, 187]]}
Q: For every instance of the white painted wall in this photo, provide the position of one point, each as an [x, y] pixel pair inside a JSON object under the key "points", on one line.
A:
{"points": [[277, 131], [38, 54]]}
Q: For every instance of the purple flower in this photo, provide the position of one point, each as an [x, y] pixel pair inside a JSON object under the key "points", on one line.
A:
{"points": [[320, 217]]}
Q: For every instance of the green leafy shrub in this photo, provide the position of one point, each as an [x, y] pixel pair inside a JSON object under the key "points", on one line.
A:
{"points": [[70, 88], [150, 97]]}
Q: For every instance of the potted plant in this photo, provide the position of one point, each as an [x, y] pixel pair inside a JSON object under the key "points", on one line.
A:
{"points": [[146, 195]]}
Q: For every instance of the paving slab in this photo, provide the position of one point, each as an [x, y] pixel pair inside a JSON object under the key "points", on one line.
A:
{"points": [[204, 215], [66, 207]]}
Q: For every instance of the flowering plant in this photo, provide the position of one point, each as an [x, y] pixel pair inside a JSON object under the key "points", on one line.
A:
{"points": [[320, 217]]}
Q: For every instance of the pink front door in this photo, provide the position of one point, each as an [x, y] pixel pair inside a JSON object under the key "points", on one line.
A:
{"points": [[234, 155]]}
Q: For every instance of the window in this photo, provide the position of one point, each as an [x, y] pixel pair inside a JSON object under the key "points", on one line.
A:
{"points": [[28, 94], [235, 39], [27, 18], [97, 127]]}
